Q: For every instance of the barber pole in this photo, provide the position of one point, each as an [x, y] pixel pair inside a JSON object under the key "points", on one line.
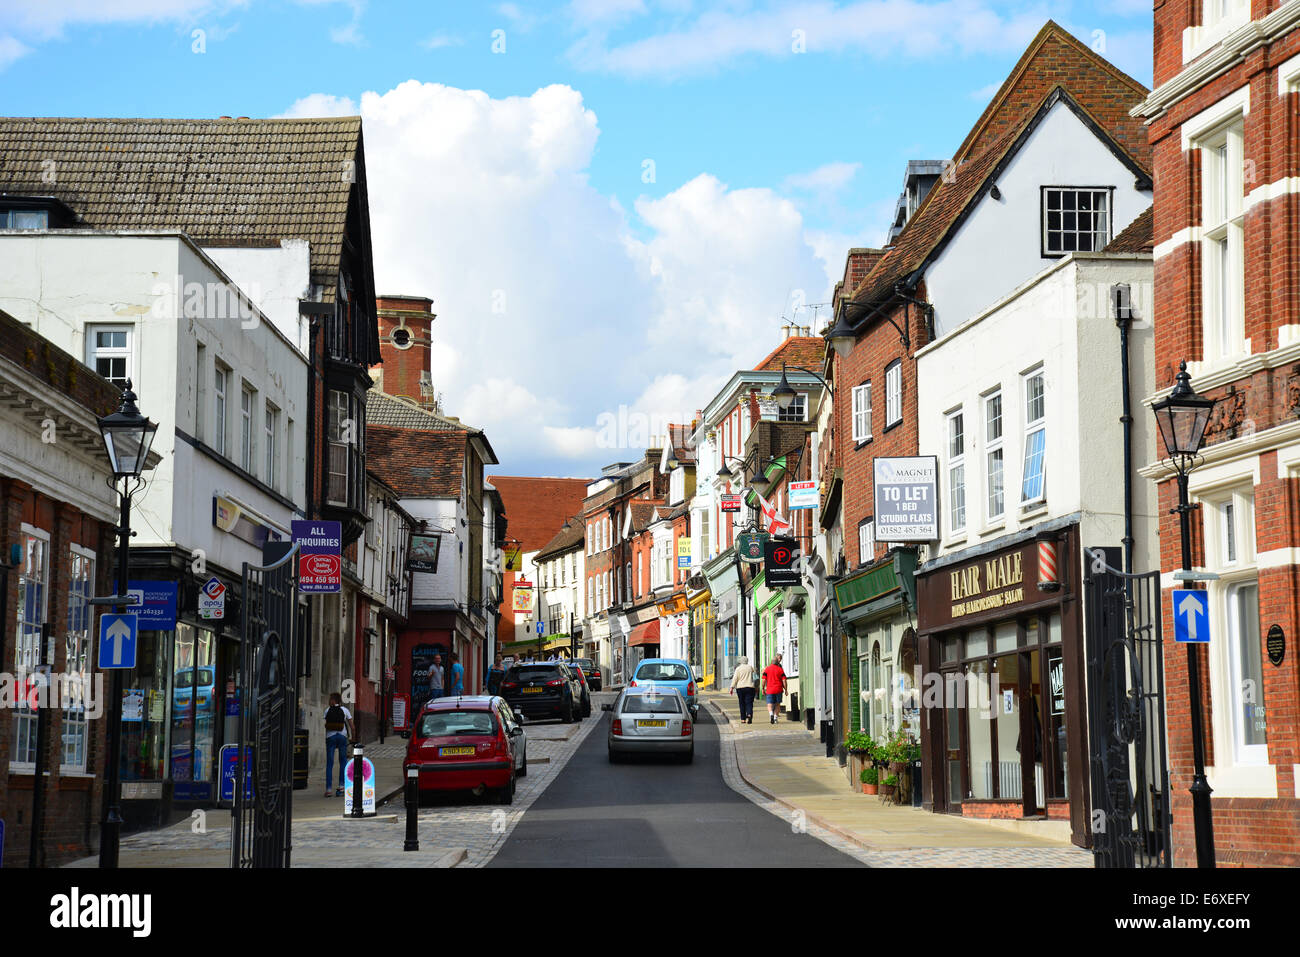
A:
{"points": [[1048, 579]]}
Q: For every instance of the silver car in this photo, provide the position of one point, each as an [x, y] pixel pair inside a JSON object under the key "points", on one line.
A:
{"points": [[650, 719]]}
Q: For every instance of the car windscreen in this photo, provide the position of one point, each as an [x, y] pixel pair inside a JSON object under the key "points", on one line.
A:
{"points": [[584, 664], [662, 671], [651, 704], [438, 724], [533, 673]]}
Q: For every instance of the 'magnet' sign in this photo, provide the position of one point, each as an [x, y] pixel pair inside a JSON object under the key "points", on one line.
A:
{"points": [[907, 500]]}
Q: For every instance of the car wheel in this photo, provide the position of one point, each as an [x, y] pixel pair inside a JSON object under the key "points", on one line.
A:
{"points": [[615, 757], [523, 765], [569, 713], [586, 707], [689, 756], [507, 794]]}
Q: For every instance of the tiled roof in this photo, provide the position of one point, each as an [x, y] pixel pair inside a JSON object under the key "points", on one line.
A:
{"points": [[570, 536], [806, 351], [1137, 237], [1055, 65], [384, 409], [680, 436], [224, 182], [417, 463], [537, 507], [642, 515]]}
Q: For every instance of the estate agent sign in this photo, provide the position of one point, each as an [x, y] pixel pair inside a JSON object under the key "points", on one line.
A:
{"points": [[907, 501]]}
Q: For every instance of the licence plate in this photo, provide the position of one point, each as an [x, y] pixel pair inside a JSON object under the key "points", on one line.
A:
{"points": [[447, 752], [651, 724], [533, 690]]}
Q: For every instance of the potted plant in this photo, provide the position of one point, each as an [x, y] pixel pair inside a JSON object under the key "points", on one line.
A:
{"points": [[888, 787], [897, 751], [870, 778]]}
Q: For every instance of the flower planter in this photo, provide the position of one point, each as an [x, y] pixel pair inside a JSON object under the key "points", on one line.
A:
{"points": [[898, 767], [887, 791], [870, 788]]}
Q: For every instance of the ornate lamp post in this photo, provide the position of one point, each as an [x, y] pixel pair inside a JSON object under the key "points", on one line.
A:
{"points": [[128, 436], [1182, 417]]}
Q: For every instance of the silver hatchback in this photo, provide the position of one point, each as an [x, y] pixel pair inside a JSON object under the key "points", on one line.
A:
{"points": [[650, 719]]}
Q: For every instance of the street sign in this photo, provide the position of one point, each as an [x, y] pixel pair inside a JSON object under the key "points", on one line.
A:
{"points": [[539, 628], [155, 603], [320, 565], [117, 634], [212, 599], [1191, 615]]}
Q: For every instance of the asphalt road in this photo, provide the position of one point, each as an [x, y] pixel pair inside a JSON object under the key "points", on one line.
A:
{"points": [[652, 812]]}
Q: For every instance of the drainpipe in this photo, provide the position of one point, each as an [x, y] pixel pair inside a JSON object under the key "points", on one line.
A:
{"points": [[1120, 298]]}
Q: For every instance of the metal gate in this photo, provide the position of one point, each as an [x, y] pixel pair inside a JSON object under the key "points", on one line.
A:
{"points": [[261, 826], [1126, 716]]}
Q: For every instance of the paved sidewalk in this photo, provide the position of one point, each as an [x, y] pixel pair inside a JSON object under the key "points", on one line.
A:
{"points": [[787, 766]]}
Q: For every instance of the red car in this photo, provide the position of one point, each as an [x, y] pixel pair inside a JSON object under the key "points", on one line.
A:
{"points": [[468, 744]]}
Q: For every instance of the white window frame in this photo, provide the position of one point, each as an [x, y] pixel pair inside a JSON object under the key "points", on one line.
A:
{"points": [[993, 452], [1052, 199], [893, 393], [797, 411], [271, 425], [955, 445], [1033, 426], [27, 645], [247, 403], [94, 351], [862, 412], [1223, 215], [220, 407], [867, 541]]}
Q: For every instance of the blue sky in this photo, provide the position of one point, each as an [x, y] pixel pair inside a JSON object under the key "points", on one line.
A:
{"points": [[637, 196]]}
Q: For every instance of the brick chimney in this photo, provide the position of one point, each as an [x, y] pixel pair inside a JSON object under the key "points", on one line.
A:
{"points": [[405, 345]]}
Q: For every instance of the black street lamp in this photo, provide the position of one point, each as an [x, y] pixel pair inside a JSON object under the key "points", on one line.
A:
{"points": [[785, 395], [128, 436], [1182, 417]]}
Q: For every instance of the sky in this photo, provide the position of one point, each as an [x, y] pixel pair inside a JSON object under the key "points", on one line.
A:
{"points": [[614, 204]]}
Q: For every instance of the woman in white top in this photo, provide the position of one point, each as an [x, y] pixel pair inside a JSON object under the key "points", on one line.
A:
{"points": [[743, 681]]}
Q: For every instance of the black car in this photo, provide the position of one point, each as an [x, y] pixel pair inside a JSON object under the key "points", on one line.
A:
{"points": [[543, 689], [590, 670]]}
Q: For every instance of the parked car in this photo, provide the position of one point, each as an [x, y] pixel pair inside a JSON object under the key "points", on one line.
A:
{"points": [[543, 689], [650, 719], [591, 670], [673, 672], [468, 744], [581, 677]]}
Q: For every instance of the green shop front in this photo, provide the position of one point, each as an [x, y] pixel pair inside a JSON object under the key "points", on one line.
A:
{"points": [[875, 607], [783, 626]]}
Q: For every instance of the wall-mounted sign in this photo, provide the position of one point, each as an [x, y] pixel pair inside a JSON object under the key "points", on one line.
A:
{"points": [[749, 546], [675, 605], [1276, 644], [907, 501], [212, 599], [238, 520], [781, 563], [730, 502], [320, 562], [154, 604], [683, 552], [992, 586], [802, 495], [423, 555]]}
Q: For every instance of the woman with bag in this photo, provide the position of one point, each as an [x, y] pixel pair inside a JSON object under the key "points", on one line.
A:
{"points": [[744, 683]]}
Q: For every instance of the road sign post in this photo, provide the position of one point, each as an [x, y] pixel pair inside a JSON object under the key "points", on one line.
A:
{"points": [[1191, 616]]}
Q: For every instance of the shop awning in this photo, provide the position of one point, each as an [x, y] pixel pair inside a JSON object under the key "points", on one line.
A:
{"points": [[647, 634]]}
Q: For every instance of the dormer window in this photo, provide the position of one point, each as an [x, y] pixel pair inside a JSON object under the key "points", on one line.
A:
{"points": [[24, 219]]}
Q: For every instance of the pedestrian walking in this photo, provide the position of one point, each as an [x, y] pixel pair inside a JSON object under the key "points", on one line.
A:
{"points": [[338, 732], [437, 679], [457, 676], [495, 675], [744, 683], [774, 687]]}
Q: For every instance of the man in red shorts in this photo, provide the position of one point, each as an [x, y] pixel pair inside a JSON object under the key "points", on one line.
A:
{"points": [[774, 687]]}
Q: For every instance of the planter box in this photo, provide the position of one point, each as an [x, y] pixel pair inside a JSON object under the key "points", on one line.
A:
{"points": [[870, 788]]}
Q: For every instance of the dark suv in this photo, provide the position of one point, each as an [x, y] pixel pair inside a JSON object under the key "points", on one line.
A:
{"points": [[543, 689]]}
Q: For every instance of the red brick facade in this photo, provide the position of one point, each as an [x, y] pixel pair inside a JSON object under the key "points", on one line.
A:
{"points": [[1256, 808]]}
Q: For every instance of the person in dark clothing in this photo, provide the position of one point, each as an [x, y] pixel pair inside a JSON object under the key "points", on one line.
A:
{"points": [[494, 676], [338, 732]]}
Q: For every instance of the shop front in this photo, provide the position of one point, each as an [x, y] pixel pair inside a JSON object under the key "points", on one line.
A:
{"points": [[700, 652], [1003, 708], [721, 576]]}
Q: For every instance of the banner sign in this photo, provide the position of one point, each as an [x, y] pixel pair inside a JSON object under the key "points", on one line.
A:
{"points": [[802, 495], [907, 500], [423, 555], [320, 562], [781, 563]]}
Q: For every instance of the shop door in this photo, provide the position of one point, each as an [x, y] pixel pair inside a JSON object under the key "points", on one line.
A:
{"points": [[954, 777]]}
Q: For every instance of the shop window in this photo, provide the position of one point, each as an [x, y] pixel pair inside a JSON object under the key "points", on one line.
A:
{"points": [[33, 607], [192, 758], [81, 587]]}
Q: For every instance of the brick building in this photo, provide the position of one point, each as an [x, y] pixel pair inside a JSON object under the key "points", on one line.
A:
{"points": [[1223, 129], [56, 505]]}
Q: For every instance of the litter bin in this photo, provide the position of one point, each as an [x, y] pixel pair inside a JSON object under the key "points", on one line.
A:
{"points": [[916, 783], [300, 755]]}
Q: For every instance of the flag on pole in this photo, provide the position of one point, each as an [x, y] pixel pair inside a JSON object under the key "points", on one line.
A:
{"points": [[775, 523]]}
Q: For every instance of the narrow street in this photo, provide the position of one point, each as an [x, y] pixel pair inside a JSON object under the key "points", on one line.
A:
{"points": [[650, 812]]}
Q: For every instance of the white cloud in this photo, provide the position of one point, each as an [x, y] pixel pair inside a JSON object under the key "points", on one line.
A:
{"points": [[11, 49], [985, 93], [47, 18], [549, 311], [319, 104], [826, 178], [440, 40], [889, 28]]}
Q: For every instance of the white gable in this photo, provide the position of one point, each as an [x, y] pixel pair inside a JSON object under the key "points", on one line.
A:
{"points": [[999, 246]]}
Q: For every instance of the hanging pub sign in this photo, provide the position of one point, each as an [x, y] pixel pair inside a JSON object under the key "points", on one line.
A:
{"points": [[781, 563], [522, 597], [749, 546], [423, 554], [907, 501]]}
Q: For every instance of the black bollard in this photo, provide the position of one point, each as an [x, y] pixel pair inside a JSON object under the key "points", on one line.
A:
{"points": [[358, 779], [412, 809]]}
